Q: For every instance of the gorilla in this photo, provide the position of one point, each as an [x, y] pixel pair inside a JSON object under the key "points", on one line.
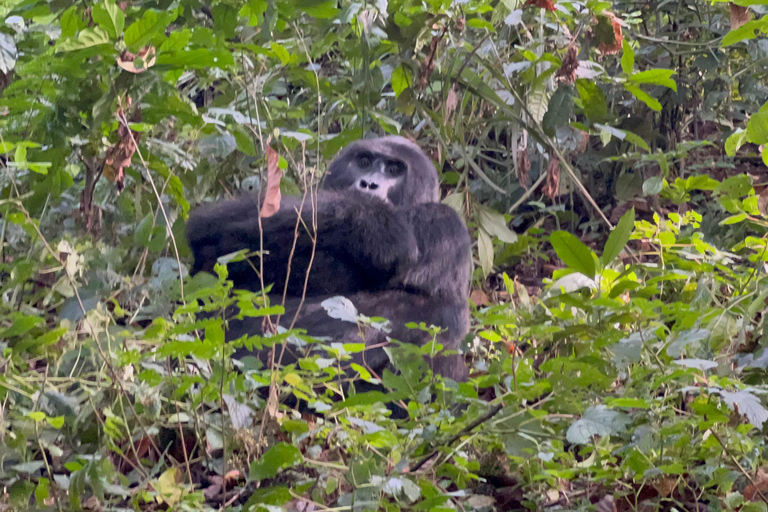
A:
{"points": [[376, 234]]}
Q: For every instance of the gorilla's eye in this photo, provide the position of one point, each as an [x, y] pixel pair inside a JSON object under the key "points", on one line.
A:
{"points": [[364, 161], [395, 168]]}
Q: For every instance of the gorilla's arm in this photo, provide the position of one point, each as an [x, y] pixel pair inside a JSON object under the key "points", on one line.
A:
{"points": [[445, 252], [359, 238]]}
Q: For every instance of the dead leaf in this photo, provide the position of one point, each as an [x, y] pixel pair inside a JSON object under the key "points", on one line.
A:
{"points": [[523, 166], [609, 39], [758, 486], [479, 298], [119, 155], [126, 60], [451, 101], [429, 63], [567, 72], [552, 186], [762, 202], [739, 16], [274, 174], [544, 4]]}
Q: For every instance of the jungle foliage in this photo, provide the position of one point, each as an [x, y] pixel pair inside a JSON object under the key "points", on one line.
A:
{"points": [[607, 157]]}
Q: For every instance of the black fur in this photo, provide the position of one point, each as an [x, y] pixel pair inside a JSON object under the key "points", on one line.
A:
{"points": [[406, 258]]}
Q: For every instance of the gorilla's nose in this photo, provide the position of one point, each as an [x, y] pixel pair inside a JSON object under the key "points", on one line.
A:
{"points": [[367, 185]]}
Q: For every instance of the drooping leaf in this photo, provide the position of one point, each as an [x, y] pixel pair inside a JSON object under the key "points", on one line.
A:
{"points": [[627, 58], [7, 53], [559, 110], [619, 237], [274, 174], [573, 252]]}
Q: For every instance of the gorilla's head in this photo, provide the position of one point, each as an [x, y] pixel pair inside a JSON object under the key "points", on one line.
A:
{"points": [[391, 168]]}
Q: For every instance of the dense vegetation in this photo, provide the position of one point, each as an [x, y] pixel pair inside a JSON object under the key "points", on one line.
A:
{"points": [[606, 156]]}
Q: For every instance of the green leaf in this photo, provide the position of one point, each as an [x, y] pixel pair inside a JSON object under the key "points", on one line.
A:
{"points": [[743, 33], [85, 39], [593, 101], [402, 79], [734, 219], [619, 237], [653, 186], [278, 457], [281, 53], [538, 99], [655, 77], [151, 25], [735, 141], [7, 53], [143, 231], [627, 57], [573, 253], [643, 96], [485, 251], [559, 110], [108, 16], [757, 128], [495, 224]]}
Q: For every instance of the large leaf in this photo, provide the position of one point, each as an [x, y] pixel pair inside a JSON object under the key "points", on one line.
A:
{"points": [[7, 53], [559, 110], [573, 253], [278, 457], [619, 237], [655, 77], [757, 128], [108, 16], [401, 79], [85, 39]]}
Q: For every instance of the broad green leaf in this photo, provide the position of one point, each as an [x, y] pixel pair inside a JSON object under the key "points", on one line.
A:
{"points": [[627, 57], [281, 53], [485, 251], [401, 79], [643, 96], [597, 421], [619, 237], [559, 110], [593, 101], [108, 16], [655, 77], [743, 33], [495, 224], [735, 141], [85, 39], [573, 253], [538, 100], [757, 128], [144, 30], [653, 186], [7, 53], [279, 456]]}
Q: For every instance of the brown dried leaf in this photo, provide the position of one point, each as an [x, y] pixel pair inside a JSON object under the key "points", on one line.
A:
{"points": [[479, 298], [739, 16], [119, 155], [762, 202], [147, 55], [552, 186], [274, 174], [544, 4], [758, 486], [451, 102], [567, 72], [523, 166], [612, 47]]}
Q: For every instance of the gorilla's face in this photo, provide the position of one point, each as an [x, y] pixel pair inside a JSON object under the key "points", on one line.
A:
{"points": [[391, 168], [378, 175]]}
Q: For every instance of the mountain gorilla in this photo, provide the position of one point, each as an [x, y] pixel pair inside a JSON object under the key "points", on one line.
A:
{"points": [[382, 240]]}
